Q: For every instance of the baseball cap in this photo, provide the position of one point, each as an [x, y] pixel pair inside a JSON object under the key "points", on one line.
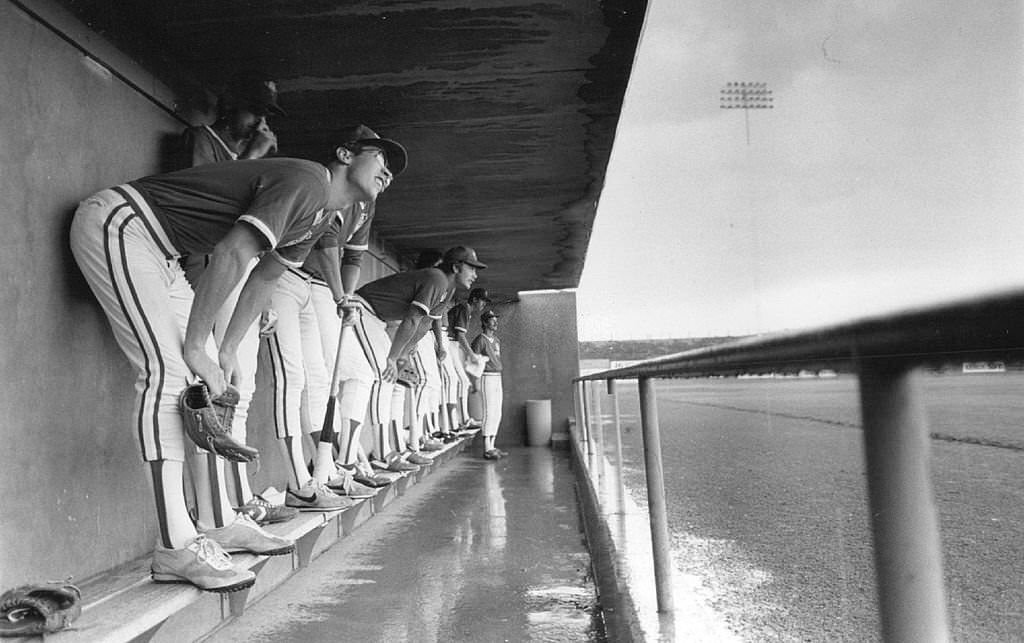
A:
{"points": [[488, 314], [361, 135], [254, 90], [462, 254], [479, 293]]}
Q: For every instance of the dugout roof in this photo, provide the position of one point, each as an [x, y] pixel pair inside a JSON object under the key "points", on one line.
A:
{"points": [[508, 108]]}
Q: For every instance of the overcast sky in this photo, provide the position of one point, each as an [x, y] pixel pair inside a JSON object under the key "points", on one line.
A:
{"points": [[888, 174]]}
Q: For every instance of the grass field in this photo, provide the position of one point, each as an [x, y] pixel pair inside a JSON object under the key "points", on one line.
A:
{"points": [[767, 500]]}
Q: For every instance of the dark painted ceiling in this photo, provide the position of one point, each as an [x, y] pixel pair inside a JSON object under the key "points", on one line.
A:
{"points": [[508, 108]]}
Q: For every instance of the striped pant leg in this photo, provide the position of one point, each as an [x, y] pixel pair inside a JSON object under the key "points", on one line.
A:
{"points": [[492, 395], [296, 358], [145, 296], [329, 325], [462, 386], [363, 359]]}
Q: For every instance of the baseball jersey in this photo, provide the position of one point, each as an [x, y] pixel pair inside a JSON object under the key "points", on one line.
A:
{"points": [[201, 145], [491, 348], [350, 229], [282, 199], [458, 320], [391, 296]]}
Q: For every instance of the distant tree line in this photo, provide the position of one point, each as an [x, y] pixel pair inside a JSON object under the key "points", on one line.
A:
{"points": [[632, 349]]}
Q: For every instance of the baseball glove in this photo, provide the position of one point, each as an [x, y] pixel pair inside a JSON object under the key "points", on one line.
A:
{"points": [[36, 609], [408, 376], [208, 422]]}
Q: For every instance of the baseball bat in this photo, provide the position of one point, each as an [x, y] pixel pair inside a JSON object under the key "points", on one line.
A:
{"points": [[323, 467]]}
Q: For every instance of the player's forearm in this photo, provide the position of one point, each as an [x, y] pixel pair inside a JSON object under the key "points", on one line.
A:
{"points": [[404, 337], [435, 327], [467, 350], [255, 297], [349, 278], [330, 267], [219, 278]]}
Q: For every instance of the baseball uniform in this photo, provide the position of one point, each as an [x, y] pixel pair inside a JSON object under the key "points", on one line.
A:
{"points": [[385, 303], [490, 384]]}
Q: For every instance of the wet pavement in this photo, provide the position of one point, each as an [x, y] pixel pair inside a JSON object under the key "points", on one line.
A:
{"points": [[481, 551]]}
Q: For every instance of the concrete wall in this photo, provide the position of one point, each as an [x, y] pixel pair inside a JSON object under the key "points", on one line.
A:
{"points": [[77, 497], [540, 356], [71, 465]]}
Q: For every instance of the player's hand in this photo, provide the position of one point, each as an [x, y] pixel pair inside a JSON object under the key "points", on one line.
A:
{"points": [[351, 316], [441, 354], [207, 370], [229, 368], [390, 373], [262, 142], [348, 310], [268, 322]]}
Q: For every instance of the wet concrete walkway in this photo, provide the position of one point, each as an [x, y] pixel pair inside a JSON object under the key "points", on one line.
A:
{"points": [[482, 551]]}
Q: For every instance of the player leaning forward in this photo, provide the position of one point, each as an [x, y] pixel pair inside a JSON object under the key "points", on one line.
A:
{"points": [[399, 310], [127, 240]]}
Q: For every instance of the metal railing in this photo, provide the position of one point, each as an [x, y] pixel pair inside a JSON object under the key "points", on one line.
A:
{"points": [[884, 352]]}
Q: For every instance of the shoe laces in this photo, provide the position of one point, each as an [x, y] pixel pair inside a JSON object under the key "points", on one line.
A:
{"points": [[260, 501], [320, 487], [347, 479], [212, 554], [246, 520]]}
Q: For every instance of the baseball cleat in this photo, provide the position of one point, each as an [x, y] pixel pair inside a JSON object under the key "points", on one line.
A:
{"points": [[430, 444], [315, 496], [203, 563], [397, 465], [245, 535], [416, 458], [259, 509], [345, 484]]}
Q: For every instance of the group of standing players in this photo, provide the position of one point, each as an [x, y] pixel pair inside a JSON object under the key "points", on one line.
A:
{"points": [[195, 268]]}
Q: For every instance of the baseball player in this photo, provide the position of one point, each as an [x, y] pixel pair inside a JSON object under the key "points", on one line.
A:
{"points": [[459, 348], [308, 301], [240, 131], [426, 387], [407, 302], [127, 240], [487, 344]]}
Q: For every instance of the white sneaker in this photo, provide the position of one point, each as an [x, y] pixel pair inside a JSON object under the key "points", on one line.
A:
{"points": [[202, 563], [315, 496]]}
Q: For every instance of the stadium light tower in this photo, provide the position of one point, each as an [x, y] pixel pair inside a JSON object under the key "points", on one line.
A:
{"points": [[746, 96]]}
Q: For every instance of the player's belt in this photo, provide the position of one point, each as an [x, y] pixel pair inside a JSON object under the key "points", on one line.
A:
{"points": [[307, 276]]}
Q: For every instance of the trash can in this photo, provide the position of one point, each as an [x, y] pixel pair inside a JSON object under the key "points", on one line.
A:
{"points": [[538, 423]]}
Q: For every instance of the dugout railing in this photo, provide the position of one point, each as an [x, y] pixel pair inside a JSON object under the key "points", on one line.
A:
{"points": [[885, 352]]}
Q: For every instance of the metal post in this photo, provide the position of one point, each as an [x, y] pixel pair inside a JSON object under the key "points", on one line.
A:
{"points": [[598, 424], [618, 443], [579, 411], [908, 555], [586, 416], [656, 495]]}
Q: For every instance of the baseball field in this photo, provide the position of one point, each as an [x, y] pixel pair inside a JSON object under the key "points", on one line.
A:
{"points": [[767, 500]]}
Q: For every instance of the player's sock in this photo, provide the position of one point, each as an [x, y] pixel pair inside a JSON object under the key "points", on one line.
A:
{"points": [[176, 528]]}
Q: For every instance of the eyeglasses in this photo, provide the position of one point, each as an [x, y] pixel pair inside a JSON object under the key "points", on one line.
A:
{"points": [[377, 151]]}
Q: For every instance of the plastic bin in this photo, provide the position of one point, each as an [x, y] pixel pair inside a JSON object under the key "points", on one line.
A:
{"points": [[538, 423]]}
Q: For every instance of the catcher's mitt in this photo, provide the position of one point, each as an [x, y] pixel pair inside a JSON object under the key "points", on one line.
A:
{"points": [[408, 376], [208, 422], [36, 609]]}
